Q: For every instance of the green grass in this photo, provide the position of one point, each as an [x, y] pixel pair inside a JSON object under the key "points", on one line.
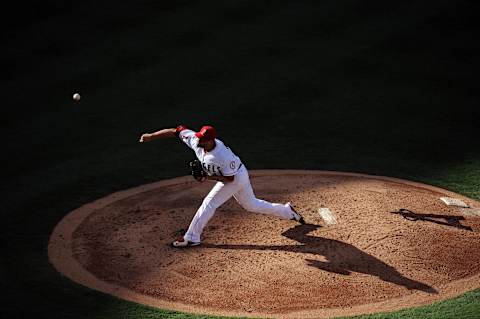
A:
{"points": [[466, 306], [377, 88]]}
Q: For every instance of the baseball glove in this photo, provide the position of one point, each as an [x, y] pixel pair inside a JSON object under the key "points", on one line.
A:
{"points": [[197, 171]]}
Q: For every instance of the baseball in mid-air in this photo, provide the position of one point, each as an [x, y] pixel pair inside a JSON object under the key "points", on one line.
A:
{"points": [[76, 97]]}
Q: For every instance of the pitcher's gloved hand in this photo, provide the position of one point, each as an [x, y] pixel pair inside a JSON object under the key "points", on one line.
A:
{"points": [[197, 171]]}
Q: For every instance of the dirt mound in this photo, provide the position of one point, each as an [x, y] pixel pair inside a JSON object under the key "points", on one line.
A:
{"points": [[390, 244]]}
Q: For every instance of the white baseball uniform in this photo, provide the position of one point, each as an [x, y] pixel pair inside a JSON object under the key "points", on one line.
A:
{"points": [[221, 161]]}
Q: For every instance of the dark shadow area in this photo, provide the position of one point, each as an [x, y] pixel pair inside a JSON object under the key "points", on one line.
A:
{"points": [[341, 258], [446, 220]]}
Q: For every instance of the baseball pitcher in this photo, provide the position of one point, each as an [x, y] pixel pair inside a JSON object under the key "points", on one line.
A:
{"points": [[216, 162]]}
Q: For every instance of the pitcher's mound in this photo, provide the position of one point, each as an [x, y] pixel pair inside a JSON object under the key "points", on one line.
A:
{"points": [[370, 244]]}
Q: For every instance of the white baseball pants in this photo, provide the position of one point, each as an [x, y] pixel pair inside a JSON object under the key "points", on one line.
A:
{"points": [[241, 189]]}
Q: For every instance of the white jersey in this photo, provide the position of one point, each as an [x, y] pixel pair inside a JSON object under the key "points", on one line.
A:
{"points": [[220, 161]]}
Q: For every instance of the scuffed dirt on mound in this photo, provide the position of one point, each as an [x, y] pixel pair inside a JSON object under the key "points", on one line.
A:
{"points": [[394, 245]]}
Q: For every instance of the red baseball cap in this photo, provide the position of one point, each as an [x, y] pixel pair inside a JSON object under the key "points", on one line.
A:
{"points": [[207, 133]]}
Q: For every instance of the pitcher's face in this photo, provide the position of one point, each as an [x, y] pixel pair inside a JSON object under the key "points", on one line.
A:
{"points": [[207, 145]]}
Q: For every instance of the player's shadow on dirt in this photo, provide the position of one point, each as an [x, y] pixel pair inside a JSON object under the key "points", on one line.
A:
{"points": [[446, 220], [341, 258]]}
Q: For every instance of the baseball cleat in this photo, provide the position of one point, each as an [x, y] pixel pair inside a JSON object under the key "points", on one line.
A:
{"points": [[296, 215], [182, 243]]}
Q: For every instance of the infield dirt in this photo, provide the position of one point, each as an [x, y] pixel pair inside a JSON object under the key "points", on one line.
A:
{"points": [[395, 245]]}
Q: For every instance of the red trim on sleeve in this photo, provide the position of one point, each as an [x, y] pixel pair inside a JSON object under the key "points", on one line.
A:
{"points": [[180, 128]]}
